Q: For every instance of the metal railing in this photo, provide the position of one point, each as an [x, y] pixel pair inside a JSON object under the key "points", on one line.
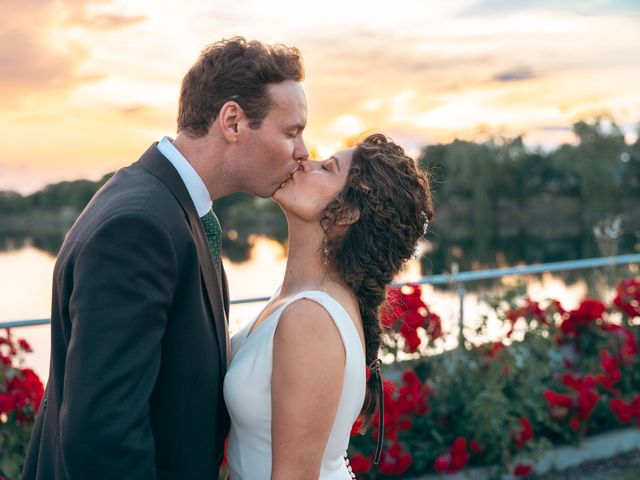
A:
{"points": [[455, 280]]}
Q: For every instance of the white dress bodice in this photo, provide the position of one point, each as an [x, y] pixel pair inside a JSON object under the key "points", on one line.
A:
{"points": [[247, 393]]}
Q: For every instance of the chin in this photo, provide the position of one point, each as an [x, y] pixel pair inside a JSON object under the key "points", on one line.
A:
{"points": [[288, 202], [279, 197]]}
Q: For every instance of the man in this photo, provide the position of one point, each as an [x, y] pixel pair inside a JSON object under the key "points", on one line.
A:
{"points": [[139, 340]]}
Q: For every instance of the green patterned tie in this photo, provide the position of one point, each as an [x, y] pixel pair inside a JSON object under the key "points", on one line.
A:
{"points": [[213, 231]]}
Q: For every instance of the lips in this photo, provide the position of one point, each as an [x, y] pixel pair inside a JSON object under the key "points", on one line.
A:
{"points": [[287, 180], [291, 177]]}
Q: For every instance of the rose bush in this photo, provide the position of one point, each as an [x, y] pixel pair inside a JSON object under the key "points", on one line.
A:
{"points": [[557, 376], [21, 392]]}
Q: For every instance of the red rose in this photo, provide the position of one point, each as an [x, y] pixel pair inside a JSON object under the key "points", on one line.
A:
{"points": [[524, 434], [26, 387], [413, 320], [6, 403], [475, 447], [433, 324], [592, 308], [611, 374], [394, 460], [414, 395], [574, 424], [587, 400], [577, 383], [559, 403], [522, 470], [455, 459], [24, 345], [588, 312], [628, 297], [356, 428], [411, 338], [459, 454], [624, 411], [443, 463], [360, 464]]}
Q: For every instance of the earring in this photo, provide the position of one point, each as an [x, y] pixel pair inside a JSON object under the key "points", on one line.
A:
{"points": [[325, 252]]}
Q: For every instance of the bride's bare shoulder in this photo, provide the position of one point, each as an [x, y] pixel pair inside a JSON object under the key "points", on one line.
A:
{"points": [[304, 335]]}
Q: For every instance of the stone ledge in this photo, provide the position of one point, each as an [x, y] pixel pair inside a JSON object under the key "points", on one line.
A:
{"points": [[595, 447]]}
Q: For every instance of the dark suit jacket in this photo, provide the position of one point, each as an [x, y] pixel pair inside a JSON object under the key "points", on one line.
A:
{"points": [[138, 339]]}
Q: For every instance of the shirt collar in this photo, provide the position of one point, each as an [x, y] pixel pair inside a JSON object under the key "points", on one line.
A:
{"points": [[195, 186]]}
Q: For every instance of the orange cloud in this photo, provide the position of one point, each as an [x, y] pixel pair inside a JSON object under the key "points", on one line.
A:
{"points": [[35, 59], [95, 82]]}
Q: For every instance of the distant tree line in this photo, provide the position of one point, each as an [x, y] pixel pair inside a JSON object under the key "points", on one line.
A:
{"points": [[492, 195], [54, 198], [497, 190]]}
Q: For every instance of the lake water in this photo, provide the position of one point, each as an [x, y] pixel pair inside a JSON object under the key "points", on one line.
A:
{"points": [[25, 293]]}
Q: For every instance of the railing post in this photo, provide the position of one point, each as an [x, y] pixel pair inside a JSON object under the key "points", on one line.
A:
{"points": [[461, 292], [455, 269]]}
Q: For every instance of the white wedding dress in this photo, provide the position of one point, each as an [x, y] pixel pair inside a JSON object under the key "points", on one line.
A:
{"points": [[247, 393]]}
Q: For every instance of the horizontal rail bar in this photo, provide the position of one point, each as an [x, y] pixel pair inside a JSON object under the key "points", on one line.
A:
{"points": [[24, 323], [493, 273], [445, 279], [249, 300]]}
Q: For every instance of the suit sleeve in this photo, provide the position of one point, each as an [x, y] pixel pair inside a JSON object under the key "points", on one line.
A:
{"points": [[124, 282]]}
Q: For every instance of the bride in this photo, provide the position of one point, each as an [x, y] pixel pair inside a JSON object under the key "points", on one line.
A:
{"points": [[297, 379]]}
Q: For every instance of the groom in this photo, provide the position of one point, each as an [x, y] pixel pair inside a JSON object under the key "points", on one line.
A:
{"points": [[139, 340]]}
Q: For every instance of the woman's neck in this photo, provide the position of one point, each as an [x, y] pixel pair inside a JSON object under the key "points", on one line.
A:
{"points": [[305, 268]]}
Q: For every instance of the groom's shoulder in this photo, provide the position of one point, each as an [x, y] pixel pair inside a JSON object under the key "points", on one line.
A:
{"points": [[135, 189], [131, 191]]}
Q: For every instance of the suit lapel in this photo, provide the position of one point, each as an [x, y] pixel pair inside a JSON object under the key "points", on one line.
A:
{"points": [[154, 162]]}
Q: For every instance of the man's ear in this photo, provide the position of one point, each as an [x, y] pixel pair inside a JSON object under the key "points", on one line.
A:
{"points": [[230, 117], [349, 214]]}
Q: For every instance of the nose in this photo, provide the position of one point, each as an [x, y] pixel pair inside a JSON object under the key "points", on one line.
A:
{"points": [[300, 152], [305, 165]]}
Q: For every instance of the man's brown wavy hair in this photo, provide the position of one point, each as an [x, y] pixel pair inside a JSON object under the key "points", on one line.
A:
{"points": [[391, 195], [234, 69]]}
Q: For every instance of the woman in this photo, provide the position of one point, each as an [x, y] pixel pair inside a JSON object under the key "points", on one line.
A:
{"points": [[297, 381]]}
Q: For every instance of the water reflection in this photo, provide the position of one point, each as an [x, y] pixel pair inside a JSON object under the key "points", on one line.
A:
{"points": [[25, 293], [26, 276], [439, 255], [48, 241]]}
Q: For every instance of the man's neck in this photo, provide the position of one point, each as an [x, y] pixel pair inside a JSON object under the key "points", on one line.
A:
{"points": [[206, 156]]}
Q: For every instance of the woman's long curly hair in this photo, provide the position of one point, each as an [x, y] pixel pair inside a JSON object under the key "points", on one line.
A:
{"points": [[392, 197]]}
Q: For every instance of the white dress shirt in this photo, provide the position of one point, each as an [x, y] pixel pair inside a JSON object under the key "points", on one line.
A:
{"points": [[195, 186]]}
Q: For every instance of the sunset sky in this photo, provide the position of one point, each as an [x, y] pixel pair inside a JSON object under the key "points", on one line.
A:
{"points": [[87, 85]]}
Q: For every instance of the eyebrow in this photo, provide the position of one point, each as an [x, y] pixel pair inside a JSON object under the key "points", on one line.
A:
{"points": [[336, 160]]}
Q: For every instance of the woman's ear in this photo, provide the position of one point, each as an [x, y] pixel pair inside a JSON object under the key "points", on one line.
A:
{"points": [[349, 214]]}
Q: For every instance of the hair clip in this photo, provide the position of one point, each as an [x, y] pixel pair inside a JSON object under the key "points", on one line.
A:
{"points": [[425, 225], [374, 367]]}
